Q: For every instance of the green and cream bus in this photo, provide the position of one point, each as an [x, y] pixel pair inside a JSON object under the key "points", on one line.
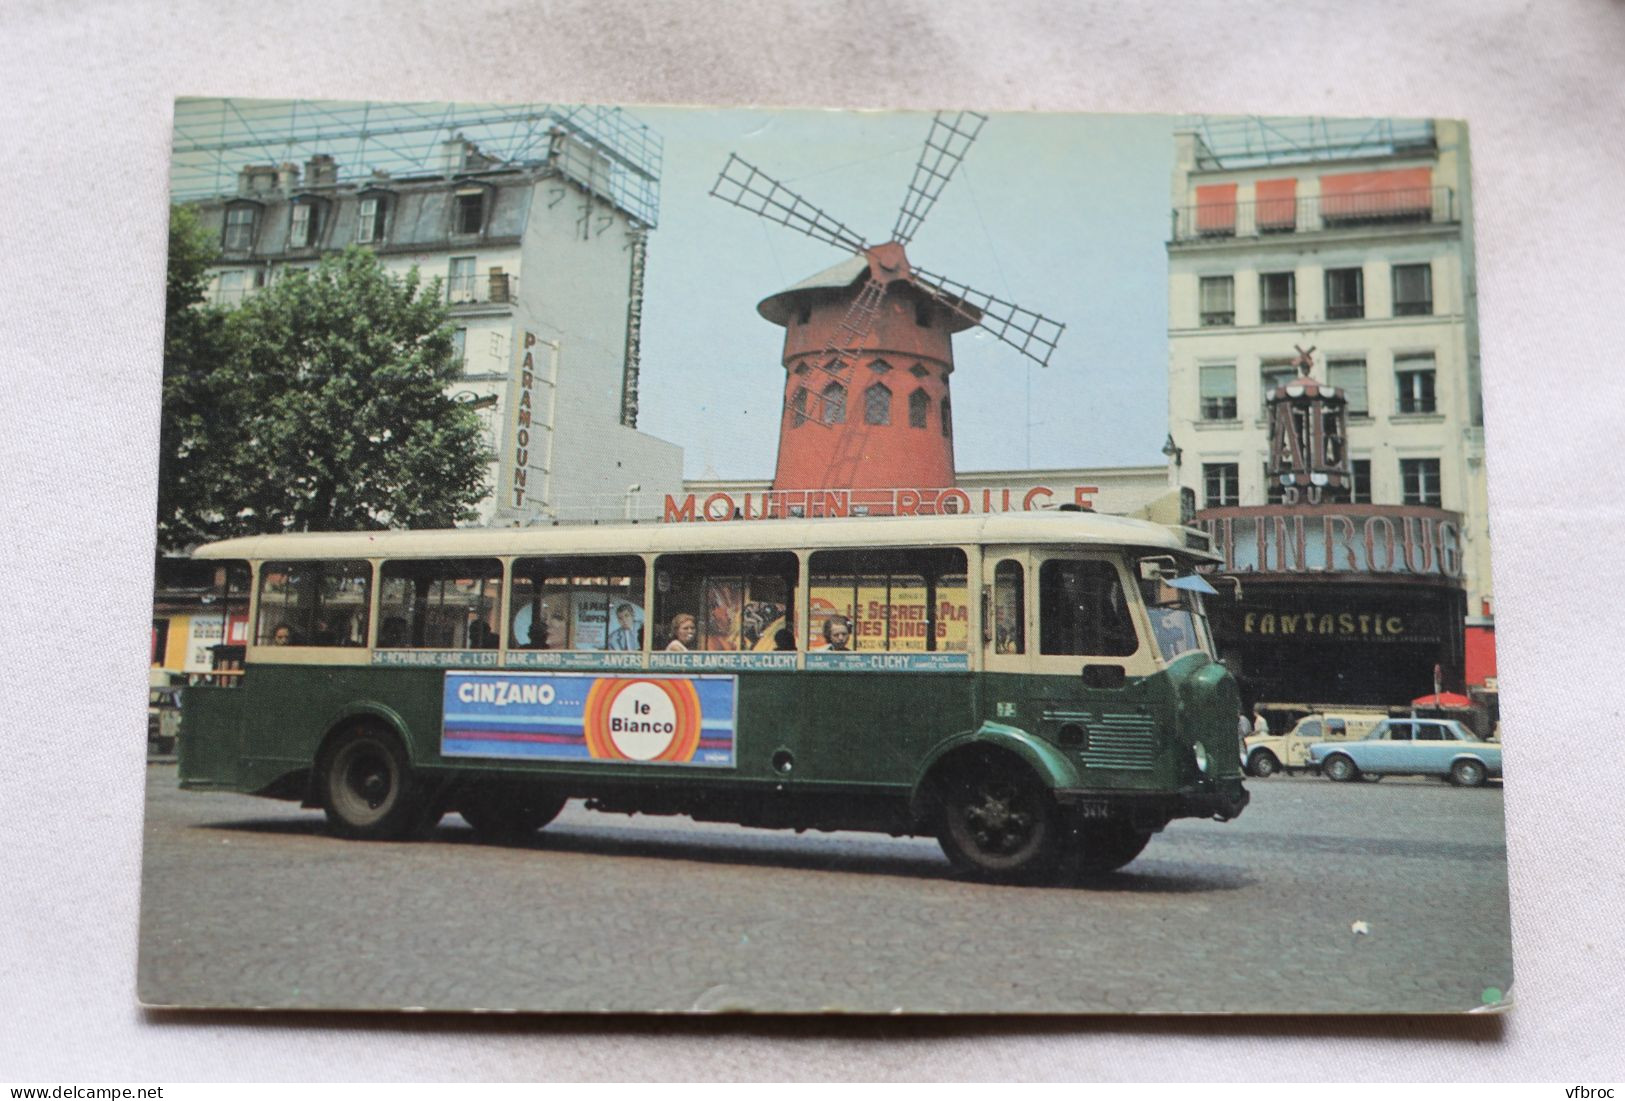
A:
{"points": [[1036, 690]]}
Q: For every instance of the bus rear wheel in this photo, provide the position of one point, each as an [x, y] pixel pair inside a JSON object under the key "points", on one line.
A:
{"points": [[508, 812], [998, 821], [367, 786]]}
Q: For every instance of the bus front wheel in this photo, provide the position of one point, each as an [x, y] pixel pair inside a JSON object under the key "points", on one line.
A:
{"points": [[1107, 846], [367, 787], [998, 821]]}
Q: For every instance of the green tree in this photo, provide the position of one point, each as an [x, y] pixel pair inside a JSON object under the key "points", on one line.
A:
{"points": [[190, 446], [328, 411]]}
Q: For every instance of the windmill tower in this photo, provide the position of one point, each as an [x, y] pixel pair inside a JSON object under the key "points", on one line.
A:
{"points": [[867, 346]]}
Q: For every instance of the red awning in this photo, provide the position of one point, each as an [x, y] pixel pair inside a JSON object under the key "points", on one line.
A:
{"points": [[1277, 204], [1216, 208], [1443, 700], [1396, 191]]}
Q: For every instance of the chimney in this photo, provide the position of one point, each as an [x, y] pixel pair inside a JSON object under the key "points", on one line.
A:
{"points": [[287, 177], [257, 179], [321, 169]]}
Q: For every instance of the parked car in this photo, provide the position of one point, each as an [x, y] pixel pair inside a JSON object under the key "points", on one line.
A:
{"points": [[1411, 747], [1265, 755]]}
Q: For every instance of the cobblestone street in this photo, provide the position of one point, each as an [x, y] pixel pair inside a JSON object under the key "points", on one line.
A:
{"points": [[247, 902]]}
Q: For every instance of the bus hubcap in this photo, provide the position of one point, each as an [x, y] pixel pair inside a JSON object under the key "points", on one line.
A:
{"points": [[997, 823]]}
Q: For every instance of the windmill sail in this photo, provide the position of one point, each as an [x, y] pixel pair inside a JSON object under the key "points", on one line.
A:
{"points": [[1031, 334], [945, 148], [749, 188]]}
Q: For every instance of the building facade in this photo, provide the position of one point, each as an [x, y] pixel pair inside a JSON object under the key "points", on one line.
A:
{"points": [[541, 265], [1350, 238]]}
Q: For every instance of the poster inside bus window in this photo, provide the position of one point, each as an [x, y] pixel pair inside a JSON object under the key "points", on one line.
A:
{"points": [[732, 553]]}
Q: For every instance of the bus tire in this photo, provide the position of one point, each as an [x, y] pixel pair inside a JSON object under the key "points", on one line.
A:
{"points": [[998, 821], [1107, 846], [508, 812], [367, 788]]}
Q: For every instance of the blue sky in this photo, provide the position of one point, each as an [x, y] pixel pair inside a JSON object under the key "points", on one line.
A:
{"points": [[1064, 214]]}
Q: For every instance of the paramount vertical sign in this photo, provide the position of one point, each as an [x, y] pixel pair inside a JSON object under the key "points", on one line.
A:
{"points": [[524, 427]]}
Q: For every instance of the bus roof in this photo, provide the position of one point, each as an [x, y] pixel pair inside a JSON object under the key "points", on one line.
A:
{"points": [[1048, 527]]}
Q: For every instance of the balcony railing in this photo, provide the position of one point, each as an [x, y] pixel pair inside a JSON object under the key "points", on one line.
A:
{"points": [[490, 287], [1315, 214]]}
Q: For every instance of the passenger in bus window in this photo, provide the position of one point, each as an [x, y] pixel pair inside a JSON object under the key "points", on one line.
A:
{"points": [[683, 631], [282, 636], [837, 633], [392, 632], [480, 636], [625, 634], [784, 639]]}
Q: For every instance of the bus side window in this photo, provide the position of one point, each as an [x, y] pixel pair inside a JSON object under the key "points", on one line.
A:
{"points": [[314, 603], [1082, 610], [1009, 609], [579, 602], [733, 601], [439, 603], [896, 600]]}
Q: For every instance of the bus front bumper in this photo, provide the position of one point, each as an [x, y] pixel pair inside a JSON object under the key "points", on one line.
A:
{"points": [[1218, 799]]}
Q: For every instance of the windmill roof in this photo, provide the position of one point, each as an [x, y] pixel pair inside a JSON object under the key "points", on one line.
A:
{"points": [[777, 307]]}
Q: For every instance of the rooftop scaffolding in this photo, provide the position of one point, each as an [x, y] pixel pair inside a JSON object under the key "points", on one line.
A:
{"points": [[215, 138], [1250, 141]]}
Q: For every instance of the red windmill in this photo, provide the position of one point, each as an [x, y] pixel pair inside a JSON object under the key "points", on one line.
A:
{"points": [[867, 345]]}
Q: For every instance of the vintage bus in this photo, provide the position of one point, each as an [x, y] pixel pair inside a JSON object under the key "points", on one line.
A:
{"points": [[1036, 690]]}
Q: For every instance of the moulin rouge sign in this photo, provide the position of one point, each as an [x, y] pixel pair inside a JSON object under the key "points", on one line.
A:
{"points": [[1374, 539], [827, 503]]}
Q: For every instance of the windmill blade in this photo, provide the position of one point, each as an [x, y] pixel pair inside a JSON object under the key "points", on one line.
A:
{"points": [[945, 147], [749, 188], [1031, 334]]}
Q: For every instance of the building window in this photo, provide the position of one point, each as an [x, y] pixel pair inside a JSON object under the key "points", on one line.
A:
{"points": [[302, 225], [1277, 297], [834, 403], [231, 288], [459, 347], [918, 371], [1348, 375], [1218, 391], [1221, 484], [1420, 481], [239, 235], [1413, 290], [798, 408], [1218, 300], [918, 402], [947, 418], [922, 313], [1272, 374], [1360, 491], [877, 404], [470, 211], [1345, 294], [369, 226], [1413, 378], [460, 284]]}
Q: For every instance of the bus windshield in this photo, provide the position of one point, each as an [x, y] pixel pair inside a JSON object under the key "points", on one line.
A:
{"points": [[1178, 622]]}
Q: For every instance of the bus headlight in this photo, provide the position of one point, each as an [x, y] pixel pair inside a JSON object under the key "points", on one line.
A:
{"points": [[1199, 751]]}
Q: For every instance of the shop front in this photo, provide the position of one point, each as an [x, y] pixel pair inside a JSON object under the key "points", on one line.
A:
{"points": [[1358, 605]]}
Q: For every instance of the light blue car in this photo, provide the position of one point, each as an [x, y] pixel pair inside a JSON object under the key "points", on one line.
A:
{"points": [[1411, 747]]}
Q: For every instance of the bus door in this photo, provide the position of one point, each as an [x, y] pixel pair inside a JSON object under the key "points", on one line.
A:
{"points": [[887, 668], [1086, 653]]}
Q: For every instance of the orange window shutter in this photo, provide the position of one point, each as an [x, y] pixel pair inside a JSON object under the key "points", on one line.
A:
{"points": [[1216, 208], [1277, 204]]}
